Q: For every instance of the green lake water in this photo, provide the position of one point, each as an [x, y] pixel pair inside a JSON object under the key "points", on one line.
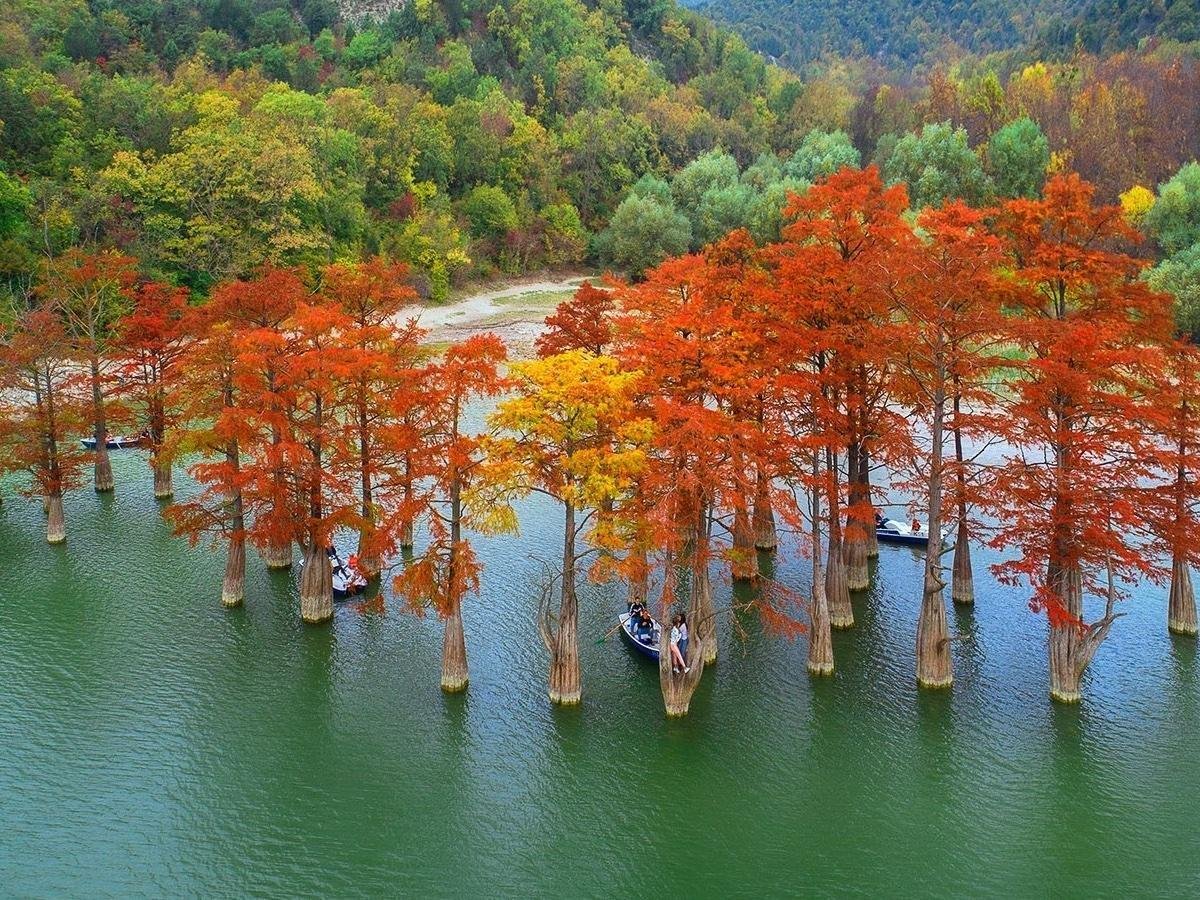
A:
{"points": [[152, 743]]}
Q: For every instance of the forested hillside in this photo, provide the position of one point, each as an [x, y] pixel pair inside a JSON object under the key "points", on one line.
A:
{"points": [[901, 33], [460, 138]]}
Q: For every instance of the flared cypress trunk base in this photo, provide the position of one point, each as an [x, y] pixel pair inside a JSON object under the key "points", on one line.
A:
{"points": [[455, 675], [962, 579], [1181, 607], [163, 488], [858, 576], [766, 538], [820, 638], [837, 592], [744, 564], [103, 471], [233, 587], [935, 667], [316, 587], [56, 522], [279, 556]]}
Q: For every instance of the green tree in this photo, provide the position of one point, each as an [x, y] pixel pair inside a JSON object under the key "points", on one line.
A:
{"points": [[1017, 158], [1179, 276], [644, 231], [938, 165], [1174, 220], [822, 153], [489, 211]]}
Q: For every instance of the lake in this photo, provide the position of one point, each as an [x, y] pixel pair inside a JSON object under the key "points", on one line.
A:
{"points": [[155, 743]]}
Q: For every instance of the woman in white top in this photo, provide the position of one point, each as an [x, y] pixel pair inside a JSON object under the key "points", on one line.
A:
{"points": [[679, 644]]}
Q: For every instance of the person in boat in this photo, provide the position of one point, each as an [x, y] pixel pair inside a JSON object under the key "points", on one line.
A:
{"points": [[679, 638], [643, 627], [880, 521], [636, 608]]}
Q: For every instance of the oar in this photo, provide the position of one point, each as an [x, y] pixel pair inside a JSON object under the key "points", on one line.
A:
{"points": [[609, 633]]}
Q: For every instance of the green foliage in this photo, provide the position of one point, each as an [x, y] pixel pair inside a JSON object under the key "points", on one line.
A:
{"points": [[1174, 220], [15, 201], [937, 165], [1179, 275], [644, 231], [1017, 158], [822, 153], [490, 212]]}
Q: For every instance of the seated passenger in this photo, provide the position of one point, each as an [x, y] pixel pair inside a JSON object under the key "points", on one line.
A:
{"points": [[645, 627]]}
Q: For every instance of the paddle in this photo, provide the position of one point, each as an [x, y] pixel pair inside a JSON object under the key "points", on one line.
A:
{"points": [[608, 633]]}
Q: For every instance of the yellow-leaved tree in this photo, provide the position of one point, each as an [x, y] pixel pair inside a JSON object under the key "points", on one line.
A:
{"points": [[571, 431]]}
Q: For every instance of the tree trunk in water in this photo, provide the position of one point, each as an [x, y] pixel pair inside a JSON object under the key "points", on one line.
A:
{"points": [[56, 524], [565, 688], [163, 489], [233, 588], [935, 668], [103, 465], [962, 583], [702, 627], [854, 547], [678, 687], [837, 591], [278, 555], [743, 563], [406, 520], [820, 638], [316, 586], [1072, 644], [1181, 608], [864, 472], [765, 537], [455, 675]]}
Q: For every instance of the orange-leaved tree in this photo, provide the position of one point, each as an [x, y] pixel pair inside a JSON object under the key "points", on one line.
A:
{"points": [[155, 335], [449, 459], [1069, 495], [42, 407], [947, 297], [389, 353], [584, 322], [91, 292]]}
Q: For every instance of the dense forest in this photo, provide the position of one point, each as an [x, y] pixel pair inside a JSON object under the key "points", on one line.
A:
{"points": [[901, 33], [481, 138]]}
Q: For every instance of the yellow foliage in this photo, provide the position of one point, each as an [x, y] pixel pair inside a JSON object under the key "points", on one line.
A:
{"points": [[1136, 203]]}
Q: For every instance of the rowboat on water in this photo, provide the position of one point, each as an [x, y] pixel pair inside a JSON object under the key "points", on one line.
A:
{"points": [[645, 645], [124, 442]]}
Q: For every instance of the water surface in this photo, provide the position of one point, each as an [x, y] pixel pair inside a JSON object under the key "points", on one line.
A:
{"points": [[154, 743]]}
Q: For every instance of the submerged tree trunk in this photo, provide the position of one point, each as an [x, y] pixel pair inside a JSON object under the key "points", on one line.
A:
{"points": [[854, 547], [565, 687], [316, 585], [369, 562], [406, 519], [1181, 607], [765, 536], [935, 667], [865, 473], [962, 581], [56, 525], [103, 465], [743, 562], [233, 588], [837, 591], [163, 488], [678, 687], [455, 674], [820, 639]]}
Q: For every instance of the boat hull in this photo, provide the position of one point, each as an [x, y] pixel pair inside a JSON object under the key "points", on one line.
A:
{"points": [[892, 537], [650, 651], [112, 443]]}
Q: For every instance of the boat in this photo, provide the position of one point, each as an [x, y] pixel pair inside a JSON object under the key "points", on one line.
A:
{"points": [[348, 581], [893, 531], [113, 443], [646, 648]]}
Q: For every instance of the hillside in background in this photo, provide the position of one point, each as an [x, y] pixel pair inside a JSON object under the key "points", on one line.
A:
{"points": [[901, 33]]}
